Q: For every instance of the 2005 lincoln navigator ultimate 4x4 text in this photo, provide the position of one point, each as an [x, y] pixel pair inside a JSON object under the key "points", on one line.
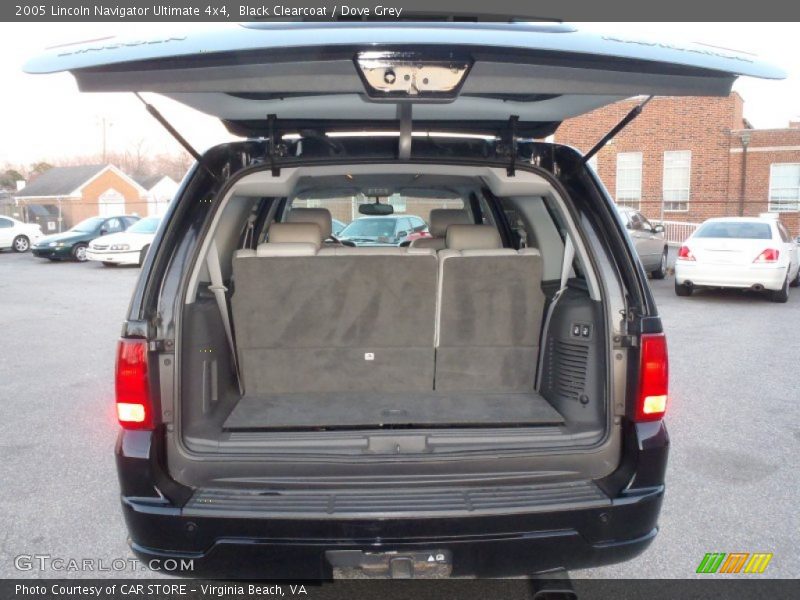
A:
{"points": [[489, 392]]}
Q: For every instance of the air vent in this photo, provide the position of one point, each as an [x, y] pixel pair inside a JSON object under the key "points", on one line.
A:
{"points": [[567, 363]]}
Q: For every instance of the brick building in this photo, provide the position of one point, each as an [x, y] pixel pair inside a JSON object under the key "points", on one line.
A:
{"points": [[682, 159], [63, 196]]}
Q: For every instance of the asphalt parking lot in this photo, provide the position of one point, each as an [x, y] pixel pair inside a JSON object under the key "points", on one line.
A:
{"points": [[732, 481]]}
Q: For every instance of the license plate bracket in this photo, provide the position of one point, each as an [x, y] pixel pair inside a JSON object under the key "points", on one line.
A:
{"points": [[414, 564]]}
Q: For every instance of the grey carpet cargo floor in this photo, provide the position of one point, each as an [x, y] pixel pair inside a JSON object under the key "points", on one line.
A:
{"points": [[348, 410]]}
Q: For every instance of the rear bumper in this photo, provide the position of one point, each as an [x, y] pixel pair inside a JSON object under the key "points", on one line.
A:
{"points": [[243, 540], [733, 276], [274, 548]]}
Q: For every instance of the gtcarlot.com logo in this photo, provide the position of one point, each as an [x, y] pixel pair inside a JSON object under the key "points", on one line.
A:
{"points": [[48, 562], [735, 562]]}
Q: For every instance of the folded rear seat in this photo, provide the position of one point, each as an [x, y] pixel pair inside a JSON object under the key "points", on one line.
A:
{"points": [[335, 319], [490, 309]]}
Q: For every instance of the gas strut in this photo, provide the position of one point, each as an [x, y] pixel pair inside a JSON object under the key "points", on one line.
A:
{"points": [[635, 112], [174, 133]]}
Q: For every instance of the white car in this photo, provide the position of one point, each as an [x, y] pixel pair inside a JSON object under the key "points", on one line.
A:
{"points": [[18, 235], [739, 252], [128, 247]]}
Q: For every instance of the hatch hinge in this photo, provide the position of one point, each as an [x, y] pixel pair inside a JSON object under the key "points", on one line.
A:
{"points": [[508, 145], [178, 137], [275, 149], [634, 112]]}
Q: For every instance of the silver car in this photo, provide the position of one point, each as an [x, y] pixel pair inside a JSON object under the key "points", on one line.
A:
{"points": [[649, 240]]}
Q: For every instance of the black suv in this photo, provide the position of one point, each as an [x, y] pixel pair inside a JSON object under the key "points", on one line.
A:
{"points": [[486, 401]]}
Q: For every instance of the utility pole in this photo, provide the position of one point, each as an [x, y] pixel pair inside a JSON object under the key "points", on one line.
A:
{"points": [[745, 143], [105, 124]]}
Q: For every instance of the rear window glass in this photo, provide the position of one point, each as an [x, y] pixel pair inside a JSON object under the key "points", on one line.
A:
{"points": [[408, 219], [733, 230]]}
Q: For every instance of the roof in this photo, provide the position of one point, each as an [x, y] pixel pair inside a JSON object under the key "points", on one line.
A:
{"points": [[60, 181], [148, 181]]}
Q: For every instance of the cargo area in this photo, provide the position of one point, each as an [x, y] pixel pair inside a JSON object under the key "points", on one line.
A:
{"points": [[363, 344]]}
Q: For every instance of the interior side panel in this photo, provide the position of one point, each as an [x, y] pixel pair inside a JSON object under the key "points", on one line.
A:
{"points": [[574, 372]]}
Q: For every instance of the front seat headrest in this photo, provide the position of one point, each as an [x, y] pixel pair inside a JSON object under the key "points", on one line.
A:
{"points": [[321, 217], [473, 237]]}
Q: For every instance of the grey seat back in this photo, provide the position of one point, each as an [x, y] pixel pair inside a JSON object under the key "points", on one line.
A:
{"points": [[336, 320], [489, 313]]}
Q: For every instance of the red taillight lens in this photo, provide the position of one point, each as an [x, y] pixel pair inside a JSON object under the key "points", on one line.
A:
{"points": [[134, 409], [685, 254], [769, 255], [651, 403]]}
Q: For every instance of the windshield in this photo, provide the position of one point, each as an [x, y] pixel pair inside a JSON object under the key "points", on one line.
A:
{"points": [[88, 225], [735, 230], [372, 228], [148, 225]]}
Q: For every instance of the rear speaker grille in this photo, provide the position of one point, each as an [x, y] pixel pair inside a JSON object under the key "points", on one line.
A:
{"points": [[567, 368]]}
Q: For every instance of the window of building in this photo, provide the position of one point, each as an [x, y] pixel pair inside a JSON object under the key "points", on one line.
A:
{"points": [[784, 187], [398, 201], [629, 179], [677, 175]]}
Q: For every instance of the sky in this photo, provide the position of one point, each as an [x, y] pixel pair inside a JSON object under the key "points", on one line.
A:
{"points": [[44, 117]]}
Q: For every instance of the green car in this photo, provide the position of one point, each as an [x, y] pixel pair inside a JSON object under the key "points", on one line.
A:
{"points": [[72, 244]]}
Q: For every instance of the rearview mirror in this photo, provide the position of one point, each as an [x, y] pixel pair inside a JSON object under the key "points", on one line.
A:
{"points": [[658, 229], [376, 209], [402, 234], [103, 231]]}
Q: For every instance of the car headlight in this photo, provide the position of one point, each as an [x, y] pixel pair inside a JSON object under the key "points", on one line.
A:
{"points": [[120, 247], [55, 244]]}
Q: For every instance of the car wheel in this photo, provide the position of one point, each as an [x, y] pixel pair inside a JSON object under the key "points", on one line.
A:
{"points": [[143, 255], [781, 295], [796, 280], [21, 243], [79, 252], [661, 271], [682, 290]]}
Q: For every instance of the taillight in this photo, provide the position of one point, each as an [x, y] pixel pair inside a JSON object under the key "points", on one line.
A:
{"points": [[651, 403], [770, 255], [134, 409], [685, 254]]}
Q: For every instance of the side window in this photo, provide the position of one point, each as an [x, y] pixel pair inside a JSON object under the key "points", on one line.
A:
{"points": [[113, 225], [637, 224], [418, 224], [5, 223]]}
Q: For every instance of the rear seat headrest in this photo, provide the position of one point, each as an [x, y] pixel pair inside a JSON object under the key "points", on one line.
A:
{"points": [[307, 233], [319, 216], [291, 239], [442, 218], [473, 237]]}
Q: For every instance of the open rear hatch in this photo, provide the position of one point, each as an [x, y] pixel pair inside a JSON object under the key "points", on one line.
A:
{"points": [[466, 77]]}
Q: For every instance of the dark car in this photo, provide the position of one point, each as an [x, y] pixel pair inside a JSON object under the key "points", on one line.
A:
{"points": [[295, 408], [72, 244]]}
